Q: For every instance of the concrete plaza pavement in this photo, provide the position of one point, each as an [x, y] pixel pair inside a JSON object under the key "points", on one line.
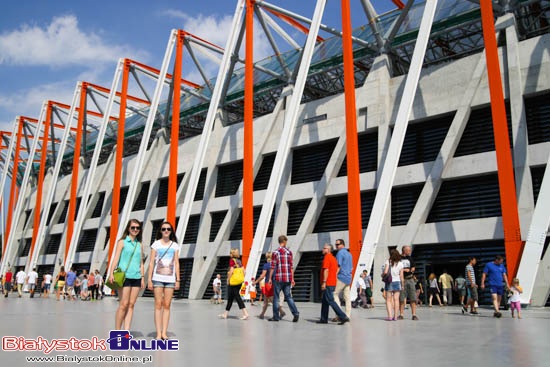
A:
{"points": [[442, 337]]}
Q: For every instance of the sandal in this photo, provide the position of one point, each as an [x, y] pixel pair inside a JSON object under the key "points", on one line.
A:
{"points": [[244, 317], [222, 316]]}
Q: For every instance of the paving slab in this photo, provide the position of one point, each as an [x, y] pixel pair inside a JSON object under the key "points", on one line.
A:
{"points": [[442, 336]]}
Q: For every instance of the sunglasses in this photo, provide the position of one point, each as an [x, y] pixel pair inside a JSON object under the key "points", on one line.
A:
{"points": [[134, 228], [166, 229]]}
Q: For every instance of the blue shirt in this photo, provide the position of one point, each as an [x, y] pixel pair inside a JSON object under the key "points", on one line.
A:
{"points": [[494, 273], [343, 257], [71, 277], [131, 259]]}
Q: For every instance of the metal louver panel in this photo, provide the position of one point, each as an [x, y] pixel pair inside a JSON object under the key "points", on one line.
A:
{"points": [[423, 140], [309, 162], [537, 173], [403, 200], [537, 111], [27, 248], [237, 232], [334, 216], [50, 214], [466, 198], [478, 137], [162, 198], [64, 211], [192, 229], [306, 276], [53, 244], [216, 223], [99, 205], [87, 240], [296, 212], [141, 200], [368, 154], [262, 178], [229, 178], [123, 196], [199, 194]]}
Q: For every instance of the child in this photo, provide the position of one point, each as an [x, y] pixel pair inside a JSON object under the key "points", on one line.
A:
{"points": [[84, 288], [514, 300], [252, 292], [243, 291]]}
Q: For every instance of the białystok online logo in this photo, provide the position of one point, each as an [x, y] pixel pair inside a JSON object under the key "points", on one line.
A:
{"points": [[118, 340]]}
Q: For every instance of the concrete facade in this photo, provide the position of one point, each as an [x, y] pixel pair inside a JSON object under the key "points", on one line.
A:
{"points": [[454, 86]]}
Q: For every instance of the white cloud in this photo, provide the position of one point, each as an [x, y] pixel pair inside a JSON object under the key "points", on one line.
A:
{"points": [[61, 43], [215, 29], [29, 102]]}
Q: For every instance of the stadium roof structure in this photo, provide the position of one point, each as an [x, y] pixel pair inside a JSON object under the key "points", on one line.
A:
{"points": [[456, 32]]}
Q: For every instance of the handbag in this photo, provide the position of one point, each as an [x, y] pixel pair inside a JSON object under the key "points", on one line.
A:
{"points": [[268, 290], [237, 277], [386, 278], [119, 276]]}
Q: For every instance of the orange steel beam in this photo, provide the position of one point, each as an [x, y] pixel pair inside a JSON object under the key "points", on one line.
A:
{"points": [[202, 40], [398, 3], [355, 230], [118, 94], [169, 76], [40, 183], [248, 153], [76, 166], [293, 23], [508, 202], [174, 135], [118, 161], [13, 187]]}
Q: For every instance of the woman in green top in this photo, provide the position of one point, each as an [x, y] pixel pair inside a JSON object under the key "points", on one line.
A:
{"points": [[129, 258]]}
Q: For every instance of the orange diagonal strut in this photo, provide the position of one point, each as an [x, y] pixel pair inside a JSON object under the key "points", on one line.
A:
{"points": [[508, 201]]}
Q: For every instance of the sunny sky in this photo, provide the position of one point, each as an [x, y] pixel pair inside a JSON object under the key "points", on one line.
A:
{"points": [[47, 46]]}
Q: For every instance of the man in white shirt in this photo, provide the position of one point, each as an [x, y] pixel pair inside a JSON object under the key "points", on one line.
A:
{"points": [[46, 283], [20, 280], [217, 285], [31, 281]]}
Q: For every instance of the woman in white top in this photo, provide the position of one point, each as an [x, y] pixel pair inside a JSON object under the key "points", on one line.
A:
{"points": [[393, 267], [164, 275]]}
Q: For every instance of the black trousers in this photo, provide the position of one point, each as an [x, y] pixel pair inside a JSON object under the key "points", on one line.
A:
{"points": [[233, 293]]}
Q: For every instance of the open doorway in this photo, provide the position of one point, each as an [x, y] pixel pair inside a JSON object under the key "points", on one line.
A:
{"points": [[454, 269]]}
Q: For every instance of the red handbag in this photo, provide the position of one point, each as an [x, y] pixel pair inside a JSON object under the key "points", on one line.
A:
{"points": [[268, 290]]}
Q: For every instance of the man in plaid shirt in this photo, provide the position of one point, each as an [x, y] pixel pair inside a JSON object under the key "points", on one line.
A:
{"points": [[282, 267]]}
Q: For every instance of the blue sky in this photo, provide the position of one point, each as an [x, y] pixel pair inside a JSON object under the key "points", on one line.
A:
{"points": [[47, 46]]}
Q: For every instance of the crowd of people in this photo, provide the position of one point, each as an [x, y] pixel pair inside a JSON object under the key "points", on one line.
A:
{"points": [[275, 282], [69, 285]]}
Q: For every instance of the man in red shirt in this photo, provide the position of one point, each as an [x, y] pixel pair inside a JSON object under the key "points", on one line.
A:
{"points": [[328, 284], [8, 277]]}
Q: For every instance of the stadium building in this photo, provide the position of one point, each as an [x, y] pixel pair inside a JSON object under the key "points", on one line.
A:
{"points": [[443, 160]]}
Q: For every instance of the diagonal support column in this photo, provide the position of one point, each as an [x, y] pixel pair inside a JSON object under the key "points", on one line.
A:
{"points": [[93, 165], [16, 214], [383, 192], [18, 129], [534, 273], [248, 149], [40, 235], [11, 148], [506, 179], [287, 137], [174, 134], [76, 168], [355, 230], [40, 181], [209, 121]]}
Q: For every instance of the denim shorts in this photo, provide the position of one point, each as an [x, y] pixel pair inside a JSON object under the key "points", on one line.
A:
{"points": [[496, 289], [157, 284], [393, 286]]}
